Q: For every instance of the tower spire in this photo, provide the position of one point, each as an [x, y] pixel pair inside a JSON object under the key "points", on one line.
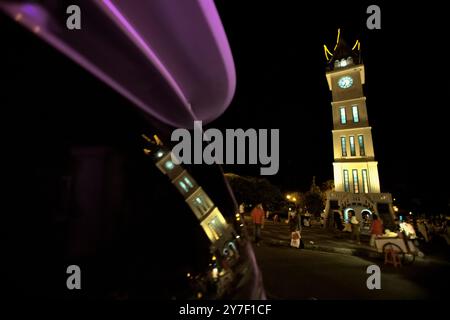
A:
{"points": [[343, 55]]}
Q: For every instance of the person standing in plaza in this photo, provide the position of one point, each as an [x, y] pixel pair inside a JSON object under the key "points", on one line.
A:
{"points": [[355, 226], [337, 221], [295, 229], [376, 229], [242, 209], [258, 222], [423, 230]]}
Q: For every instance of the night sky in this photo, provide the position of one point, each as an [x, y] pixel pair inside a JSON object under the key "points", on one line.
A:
{"points": [[278, 51]]}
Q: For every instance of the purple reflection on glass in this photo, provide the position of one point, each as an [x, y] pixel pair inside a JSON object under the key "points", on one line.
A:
{"points": [[136, 38], [34, 12], [188, 73]]}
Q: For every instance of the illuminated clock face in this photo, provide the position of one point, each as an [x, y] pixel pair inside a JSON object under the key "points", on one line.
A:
{"points": [[345, 82]]}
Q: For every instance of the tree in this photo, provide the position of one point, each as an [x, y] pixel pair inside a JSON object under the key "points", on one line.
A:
{"points": [[251, 190], [242, 188], [313, 202], [313, 199], [328, 186]]}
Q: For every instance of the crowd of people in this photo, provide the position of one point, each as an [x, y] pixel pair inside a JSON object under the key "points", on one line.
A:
{"points": [[432, 229], [259, 215], [423, 229]]}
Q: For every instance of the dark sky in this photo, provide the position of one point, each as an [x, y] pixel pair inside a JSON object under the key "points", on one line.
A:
{"points": [[278, 51]]}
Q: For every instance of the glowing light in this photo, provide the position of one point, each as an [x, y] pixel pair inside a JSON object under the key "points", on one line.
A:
{"points": [[213, 258], [356, 43], [288, 196], [410, 212], [157, 140], [188, 275], [37, 29], [169, 165], [294, 199], [199, 295], [146, 138], [160, 154], [337, 40], [237, 237], [241, 225], [186, 179], [327, 52], [147, 151], [215, 273], [18, 16]]}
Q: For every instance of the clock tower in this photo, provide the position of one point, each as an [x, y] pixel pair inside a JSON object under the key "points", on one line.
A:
{"points": [[356, 180]]}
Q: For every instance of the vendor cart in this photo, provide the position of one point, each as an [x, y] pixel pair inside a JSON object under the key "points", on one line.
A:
{"points": [[403, 246]]}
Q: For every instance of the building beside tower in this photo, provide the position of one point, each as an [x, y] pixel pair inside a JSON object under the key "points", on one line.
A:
{"points": [[356, 180]]}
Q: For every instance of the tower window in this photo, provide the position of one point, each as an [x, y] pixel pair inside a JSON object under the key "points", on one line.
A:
{"points": [[362, 150], [355, 181], [346, 181], [364, 181], [344, 146], [169, 165], [185, 183], [355, 113], [343, 115], [183, 186], [188, 182], [200, 203], [352, 146]]}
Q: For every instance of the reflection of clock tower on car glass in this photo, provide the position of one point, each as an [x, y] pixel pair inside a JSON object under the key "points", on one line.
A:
{"points": [[356, 180]]}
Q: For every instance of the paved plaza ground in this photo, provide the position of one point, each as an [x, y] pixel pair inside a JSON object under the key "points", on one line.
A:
{"points": [[333, 267]]}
